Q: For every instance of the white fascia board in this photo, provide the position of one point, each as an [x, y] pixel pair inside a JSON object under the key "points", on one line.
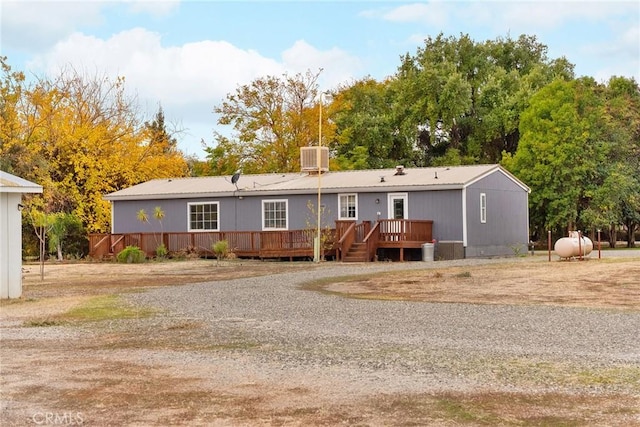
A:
{"points": [[267, 192], [463, 193], [501, 170], [21, 189]]}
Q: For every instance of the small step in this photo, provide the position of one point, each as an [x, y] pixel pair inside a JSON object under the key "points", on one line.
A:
{"points": [[354, 259], [357, 253]]}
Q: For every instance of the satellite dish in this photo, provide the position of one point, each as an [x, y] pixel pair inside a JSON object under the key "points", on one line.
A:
{"points": [[235, 178]]}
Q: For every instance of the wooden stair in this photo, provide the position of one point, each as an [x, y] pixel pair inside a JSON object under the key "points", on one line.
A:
{"points": [[357, 253]]}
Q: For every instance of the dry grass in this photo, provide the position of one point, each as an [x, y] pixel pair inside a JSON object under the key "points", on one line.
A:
{"points": [[611, 284]]}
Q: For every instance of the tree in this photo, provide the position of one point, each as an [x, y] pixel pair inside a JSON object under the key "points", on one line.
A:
{"points": [[158, 151], [272, 117], [615, 202], [364, 128], [12, 154], [61, 226], [560, 152], [81, 137], [432, 91], [158, 135], [452, 94]]}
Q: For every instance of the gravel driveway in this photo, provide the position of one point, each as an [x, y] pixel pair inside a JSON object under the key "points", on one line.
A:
{"points": [[278, 332]]}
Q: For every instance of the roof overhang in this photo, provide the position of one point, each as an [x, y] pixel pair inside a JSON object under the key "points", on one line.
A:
{"points": [[12, 184], [281, 192]]}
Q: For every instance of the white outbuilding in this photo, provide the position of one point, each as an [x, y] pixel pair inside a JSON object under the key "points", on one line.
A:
{"points": [[11, 190]]}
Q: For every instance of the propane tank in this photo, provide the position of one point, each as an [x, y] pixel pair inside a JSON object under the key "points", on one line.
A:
{"points": [[572, 246]]}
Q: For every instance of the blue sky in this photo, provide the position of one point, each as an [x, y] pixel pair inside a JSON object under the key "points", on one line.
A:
{"points": [[188, 55]]}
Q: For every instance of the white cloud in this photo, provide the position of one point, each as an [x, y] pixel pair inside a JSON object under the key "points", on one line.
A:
{"points": [[338, 66], [153, 7], [37, 25], [173, 75], [187, 80], [556, 15], [432, 13], [620, 57]]}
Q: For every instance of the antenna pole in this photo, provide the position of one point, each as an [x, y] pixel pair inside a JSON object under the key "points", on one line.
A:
{"points": [[317, 245]]}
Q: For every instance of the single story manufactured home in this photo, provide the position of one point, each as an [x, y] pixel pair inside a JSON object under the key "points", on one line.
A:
{"points": [[469, 211]]}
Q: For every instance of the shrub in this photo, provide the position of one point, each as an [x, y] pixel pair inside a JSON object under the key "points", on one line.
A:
{"points": [[220, 249], [161, 251], [131, 255]]}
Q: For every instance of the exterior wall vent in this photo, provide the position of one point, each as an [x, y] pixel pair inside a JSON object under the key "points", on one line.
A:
{"points": [[309, 159]]}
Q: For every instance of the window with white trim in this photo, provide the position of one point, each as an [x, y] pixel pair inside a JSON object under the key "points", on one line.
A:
{"points": [[274, 215], [483, 208], [204, 216], [348, 206]]}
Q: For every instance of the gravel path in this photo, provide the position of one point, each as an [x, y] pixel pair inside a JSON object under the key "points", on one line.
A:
{"points": [[277, 332]]}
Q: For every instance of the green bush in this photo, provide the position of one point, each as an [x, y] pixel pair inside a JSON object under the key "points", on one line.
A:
{"points": [[220, 249], [131, 255], [161, 251]]}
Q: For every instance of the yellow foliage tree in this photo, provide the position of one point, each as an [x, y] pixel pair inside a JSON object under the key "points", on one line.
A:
{"points": [[272, 118], [81, 138]]}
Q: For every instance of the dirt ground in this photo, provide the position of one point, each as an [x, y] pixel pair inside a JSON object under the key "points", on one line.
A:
{"points": [[43, 347]]}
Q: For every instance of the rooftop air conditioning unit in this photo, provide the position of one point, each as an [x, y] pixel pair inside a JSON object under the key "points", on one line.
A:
{"points": [[309, 159]]}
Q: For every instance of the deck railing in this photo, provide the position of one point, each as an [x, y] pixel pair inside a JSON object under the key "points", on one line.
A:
{"points": [[390, 233], [346, 239], [407, 230], [372, 239], [265, 244]]}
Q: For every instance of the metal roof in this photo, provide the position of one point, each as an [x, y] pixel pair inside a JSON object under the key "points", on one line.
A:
{"points": [[362, 181], [13, 184]]}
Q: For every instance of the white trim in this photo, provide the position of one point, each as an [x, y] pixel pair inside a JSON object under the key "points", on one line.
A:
{"points": [[113, 217], [464, 217], [483, 208], [340, 195], [391, 197], [504, 172], [199, 230], [286, 218]]}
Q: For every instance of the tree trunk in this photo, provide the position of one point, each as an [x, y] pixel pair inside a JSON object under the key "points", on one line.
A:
{"points": [[631, 231], [612, 236]]}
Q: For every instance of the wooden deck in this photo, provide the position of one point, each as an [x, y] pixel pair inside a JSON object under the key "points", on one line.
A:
{"points": [[393, 234], [398, 234]]}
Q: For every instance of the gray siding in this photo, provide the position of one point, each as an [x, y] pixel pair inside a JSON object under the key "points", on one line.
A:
{"points": [[443, 207], [506, 230], [125, 213], [235, 214]]}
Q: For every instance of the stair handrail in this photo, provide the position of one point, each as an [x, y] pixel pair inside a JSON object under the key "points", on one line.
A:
{"points": [[371, 239], [114, 243], [346, 241]]}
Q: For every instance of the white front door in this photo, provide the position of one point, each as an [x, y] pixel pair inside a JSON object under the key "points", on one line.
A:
{"points": [[398, 208], [398, 205]]}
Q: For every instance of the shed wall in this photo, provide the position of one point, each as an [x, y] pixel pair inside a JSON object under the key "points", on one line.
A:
{"points": [[10, 246]]}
